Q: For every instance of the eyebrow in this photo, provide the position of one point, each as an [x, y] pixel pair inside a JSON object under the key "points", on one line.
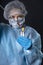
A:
{"points": [[13, 16]]}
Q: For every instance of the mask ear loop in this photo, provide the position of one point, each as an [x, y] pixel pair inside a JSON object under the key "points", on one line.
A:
{"points": [[2, 7]]}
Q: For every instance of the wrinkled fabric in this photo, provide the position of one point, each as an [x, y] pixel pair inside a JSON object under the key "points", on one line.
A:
{"points": [[12, 53]]}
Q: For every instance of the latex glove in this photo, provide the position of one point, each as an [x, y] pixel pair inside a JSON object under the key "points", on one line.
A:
{"points": [[24, 42]]}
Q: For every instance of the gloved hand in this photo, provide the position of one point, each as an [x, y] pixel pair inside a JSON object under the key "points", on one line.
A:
{"points": [[24, 42]]}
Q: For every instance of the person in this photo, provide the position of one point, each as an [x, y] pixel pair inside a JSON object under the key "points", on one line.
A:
{"points": [[28, 40]]}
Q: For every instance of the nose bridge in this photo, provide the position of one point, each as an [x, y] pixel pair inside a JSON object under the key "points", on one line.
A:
{"points": [[16, 18]]}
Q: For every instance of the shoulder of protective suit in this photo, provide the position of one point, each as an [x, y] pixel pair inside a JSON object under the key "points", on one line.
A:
{"points": [[32, 30], [5, 27]]}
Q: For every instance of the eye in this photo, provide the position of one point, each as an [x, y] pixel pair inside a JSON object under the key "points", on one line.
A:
{"points": [[13, 16], [20, 18]]}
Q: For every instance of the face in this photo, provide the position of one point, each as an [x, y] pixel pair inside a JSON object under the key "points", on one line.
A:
{"points": [[16, 18]]}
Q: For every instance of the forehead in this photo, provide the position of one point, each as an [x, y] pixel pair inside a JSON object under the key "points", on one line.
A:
{"points": [[15, 12]]}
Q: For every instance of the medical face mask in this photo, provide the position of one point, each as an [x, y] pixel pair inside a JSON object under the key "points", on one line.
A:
{"points": [[21, 20], [13, 23], [16, 23]]}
